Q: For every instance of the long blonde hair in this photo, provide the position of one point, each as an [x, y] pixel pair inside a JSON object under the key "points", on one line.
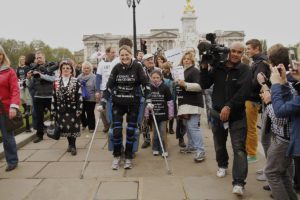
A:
{"points": [[191, 55], [5, 59], [20, 58]]}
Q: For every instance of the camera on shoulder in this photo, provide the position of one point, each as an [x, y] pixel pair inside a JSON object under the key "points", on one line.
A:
{"points": [[46, 69], [211, 52]]}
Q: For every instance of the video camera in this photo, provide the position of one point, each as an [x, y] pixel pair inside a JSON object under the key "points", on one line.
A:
{"points": [[46, 69], [212, 53]]}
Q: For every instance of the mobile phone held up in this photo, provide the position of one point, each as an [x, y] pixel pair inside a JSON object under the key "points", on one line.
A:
{"points": [[293, 60]]}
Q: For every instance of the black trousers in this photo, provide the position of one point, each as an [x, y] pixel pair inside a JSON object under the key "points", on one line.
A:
{"points": [[72, 141], [238, 134], [180, 129], [27, 113], [297, 172], [40, 104], [131, 118], [171, 122], [88, 114]]}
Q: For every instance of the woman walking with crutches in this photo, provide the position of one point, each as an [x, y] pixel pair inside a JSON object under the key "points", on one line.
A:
{"points": [[124, 86]]}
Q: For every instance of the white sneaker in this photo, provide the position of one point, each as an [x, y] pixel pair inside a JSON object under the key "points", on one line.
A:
{"points": [[221, 172], [199, 157], [155, 153], [260, 171], [116, 163], [238, 190], [128, 164], [165, 154]]}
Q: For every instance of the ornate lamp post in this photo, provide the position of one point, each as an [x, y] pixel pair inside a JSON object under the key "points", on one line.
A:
{"points": [[129, 3], [97, 49]]}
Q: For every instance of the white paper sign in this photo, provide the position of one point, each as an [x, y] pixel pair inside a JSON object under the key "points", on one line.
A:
{"points": [[97, 54], [178, 73], [174, 56]]}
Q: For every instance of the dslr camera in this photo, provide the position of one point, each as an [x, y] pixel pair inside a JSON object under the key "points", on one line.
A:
{"points": [[46, 69], [211, 52]]}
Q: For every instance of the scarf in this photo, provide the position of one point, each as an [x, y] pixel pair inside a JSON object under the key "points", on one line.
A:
{"points": [[83, 80]]}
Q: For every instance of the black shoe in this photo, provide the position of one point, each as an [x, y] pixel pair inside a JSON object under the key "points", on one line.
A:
{"points": [[181, 142], [73, 151], [297, 189], [171, 131], [69, 148], [267, 187], [145, 145], [11, 167], [37, 140], [105, 130]]}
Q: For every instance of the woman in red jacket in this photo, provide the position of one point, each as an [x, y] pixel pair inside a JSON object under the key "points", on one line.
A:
{"points": [[10, 98]]}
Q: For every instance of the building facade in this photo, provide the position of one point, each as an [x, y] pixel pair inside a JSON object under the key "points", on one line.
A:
{"points": [[161, 39]]}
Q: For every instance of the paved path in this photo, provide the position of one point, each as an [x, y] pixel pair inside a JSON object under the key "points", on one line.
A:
{"points": [[47, 172]]}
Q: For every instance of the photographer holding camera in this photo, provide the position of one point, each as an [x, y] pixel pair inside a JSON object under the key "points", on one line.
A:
{"points": [[231, 80], [42, 83]]}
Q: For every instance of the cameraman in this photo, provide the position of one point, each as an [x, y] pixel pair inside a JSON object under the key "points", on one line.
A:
{"points": [[231, 81], [42, 84]]}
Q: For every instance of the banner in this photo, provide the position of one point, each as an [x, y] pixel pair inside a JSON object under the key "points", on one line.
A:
{"points": [[174, 56]]}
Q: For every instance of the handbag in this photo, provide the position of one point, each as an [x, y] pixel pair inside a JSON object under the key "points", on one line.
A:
{"points": [[53, 131], [14, 123]]}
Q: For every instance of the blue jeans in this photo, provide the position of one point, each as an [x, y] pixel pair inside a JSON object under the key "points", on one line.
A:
{"points": [[194, 134], [9, 144], [162, 130], [238, 134]]}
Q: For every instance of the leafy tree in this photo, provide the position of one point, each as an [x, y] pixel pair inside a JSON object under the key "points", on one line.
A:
{"points": [[14, 49], [62, 53]]}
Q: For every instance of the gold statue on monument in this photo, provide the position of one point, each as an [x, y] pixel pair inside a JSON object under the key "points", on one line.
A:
{"points": [[189, 7]]}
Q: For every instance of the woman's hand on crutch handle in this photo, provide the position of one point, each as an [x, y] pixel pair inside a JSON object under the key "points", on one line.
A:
{"points": [[150, 106], [100, 108]]}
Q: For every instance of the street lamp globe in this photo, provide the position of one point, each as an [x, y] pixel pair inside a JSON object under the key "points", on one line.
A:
{"points": [[129, 3]]}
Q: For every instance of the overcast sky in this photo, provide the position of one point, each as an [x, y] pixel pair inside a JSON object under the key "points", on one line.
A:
{"points": [[62, 23]]}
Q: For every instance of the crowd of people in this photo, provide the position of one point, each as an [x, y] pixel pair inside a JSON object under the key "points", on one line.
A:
{"points": [[142, 88]]}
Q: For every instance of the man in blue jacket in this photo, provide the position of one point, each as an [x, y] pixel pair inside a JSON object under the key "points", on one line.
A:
{"points": [[287, 105]]}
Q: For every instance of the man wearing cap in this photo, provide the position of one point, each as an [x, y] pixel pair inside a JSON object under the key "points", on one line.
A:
{"points": [[149, 66]]}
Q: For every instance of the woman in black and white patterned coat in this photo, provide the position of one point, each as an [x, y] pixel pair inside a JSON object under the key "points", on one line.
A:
{"points": [[66, 104]]}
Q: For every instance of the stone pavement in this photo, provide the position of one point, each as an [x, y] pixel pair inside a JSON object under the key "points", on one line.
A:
{"points": [[47, 172]]}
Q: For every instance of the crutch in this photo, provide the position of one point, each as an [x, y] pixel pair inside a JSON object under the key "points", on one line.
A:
{"points": [[161, 144], [90, 146]]}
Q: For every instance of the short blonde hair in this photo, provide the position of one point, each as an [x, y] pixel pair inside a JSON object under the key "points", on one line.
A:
{"points": [[87, 63], [5, 59]]}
